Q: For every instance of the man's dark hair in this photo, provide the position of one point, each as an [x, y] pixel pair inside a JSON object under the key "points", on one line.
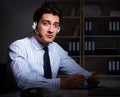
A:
{"points": [[47, 7]]}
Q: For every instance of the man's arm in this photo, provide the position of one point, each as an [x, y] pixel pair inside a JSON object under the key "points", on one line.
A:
{"points": [[75, 81]]}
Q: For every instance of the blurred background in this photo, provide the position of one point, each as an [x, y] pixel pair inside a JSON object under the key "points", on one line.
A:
{"points": [[15, 21]]}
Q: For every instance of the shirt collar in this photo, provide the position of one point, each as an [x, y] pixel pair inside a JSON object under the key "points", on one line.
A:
{"points": [[36, 44]]}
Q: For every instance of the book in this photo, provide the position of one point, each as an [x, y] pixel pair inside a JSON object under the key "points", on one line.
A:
{"points": [[114, 27], [88, 27], [113, 67], [74, 47], [89, 47]]}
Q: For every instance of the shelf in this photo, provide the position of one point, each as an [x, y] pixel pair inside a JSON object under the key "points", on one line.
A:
{"points": [[91, 25], [101, 36], [67, 37], [101, 56], [103, 17]]}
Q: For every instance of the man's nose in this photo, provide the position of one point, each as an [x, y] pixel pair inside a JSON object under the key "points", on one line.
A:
{"points": [[51, 29]]}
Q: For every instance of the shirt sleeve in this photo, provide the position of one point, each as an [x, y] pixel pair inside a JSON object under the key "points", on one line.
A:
{"points": [[25, 77], [70, 67]]}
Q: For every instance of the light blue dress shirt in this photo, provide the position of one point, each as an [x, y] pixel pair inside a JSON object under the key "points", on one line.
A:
{"points": [[27, 64]]}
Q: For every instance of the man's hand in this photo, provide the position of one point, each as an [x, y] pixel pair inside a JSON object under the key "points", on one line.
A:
{"points": [[94, 80], [75, 81]]}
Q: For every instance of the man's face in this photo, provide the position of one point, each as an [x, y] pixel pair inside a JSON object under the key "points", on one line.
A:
{"points": [[48, 27]]}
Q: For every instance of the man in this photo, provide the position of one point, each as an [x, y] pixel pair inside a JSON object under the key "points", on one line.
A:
{"points": [[27, 56]]}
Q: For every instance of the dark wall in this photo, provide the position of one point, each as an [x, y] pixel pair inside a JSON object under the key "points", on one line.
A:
{"points": [[15, 21]]}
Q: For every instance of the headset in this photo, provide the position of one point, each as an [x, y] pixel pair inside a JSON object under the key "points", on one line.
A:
{"points": [[34, 25]]}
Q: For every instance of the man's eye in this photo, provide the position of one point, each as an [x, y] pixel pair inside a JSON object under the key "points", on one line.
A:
{"points": [[56, 26], [45, 23]]}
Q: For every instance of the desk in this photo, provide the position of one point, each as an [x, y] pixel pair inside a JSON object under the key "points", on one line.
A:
{"points": [[109, 82], [65, 93], [77, 93], [87, 93]]}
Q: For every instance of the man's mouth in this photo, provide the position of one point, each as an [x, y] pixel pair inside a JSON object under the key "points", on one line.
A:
{"points": [[49, 36]]}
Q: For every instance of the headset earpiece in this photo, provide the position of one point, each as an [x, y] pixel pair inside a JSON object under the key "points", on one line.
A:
{"points": [[58, 29], [34, 25]]}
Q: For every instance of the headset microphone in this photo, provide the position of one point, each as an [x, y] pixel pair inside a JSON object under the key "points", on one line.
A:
{"points": [[38, 34]]}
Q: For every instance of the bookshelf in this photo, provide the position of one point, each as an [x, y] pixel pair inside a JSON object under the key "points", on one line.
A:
{"points": [[90, 32], [101, 38]]}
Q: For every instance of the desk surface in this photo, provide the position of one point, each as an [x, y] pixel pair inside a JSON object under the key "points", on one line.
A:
{"points": [[113, 90], [92, 93], [67, 93], [79, 92]]}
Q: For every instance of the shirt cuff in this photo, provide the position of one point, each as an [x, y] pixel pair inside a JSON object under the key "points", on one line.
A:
{"points": [[56, 83]]}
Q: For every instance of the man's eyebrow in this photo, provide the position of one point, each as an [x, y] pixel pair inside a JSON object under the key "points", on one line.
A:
{"points": [[49, 21], [45, 21], [56, 22]]}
